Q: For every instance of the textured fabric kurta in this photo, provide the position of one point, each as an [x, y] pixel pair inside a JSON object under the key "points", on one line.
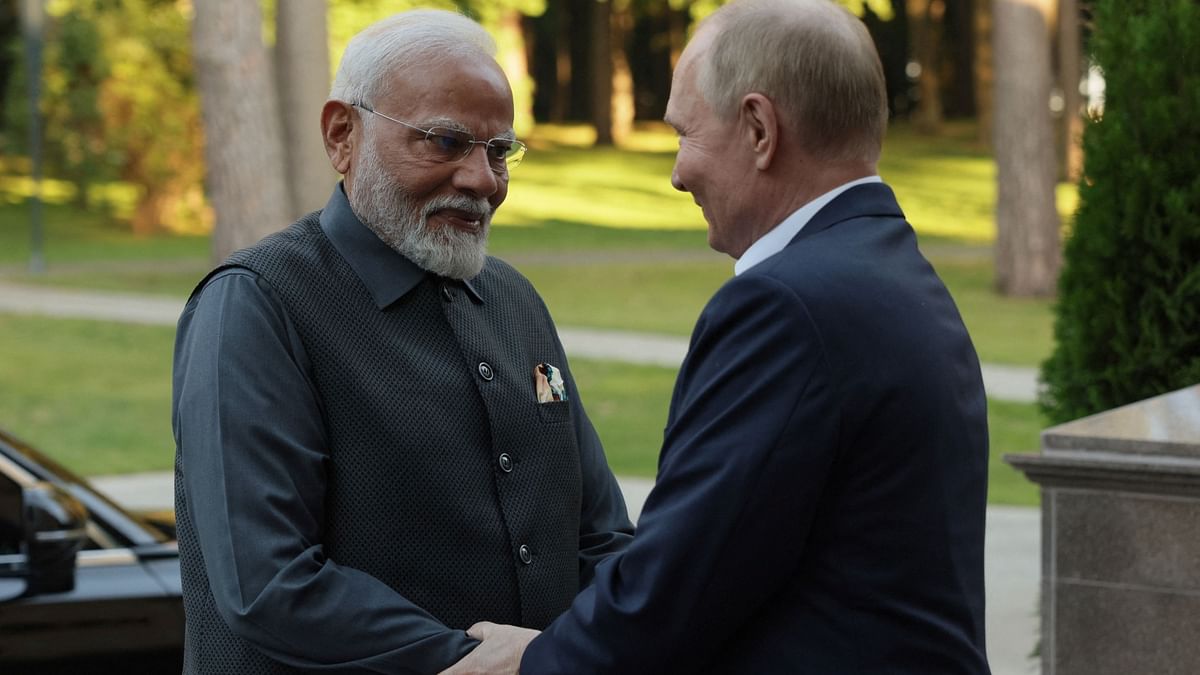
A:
{"points": [[363, 468]]}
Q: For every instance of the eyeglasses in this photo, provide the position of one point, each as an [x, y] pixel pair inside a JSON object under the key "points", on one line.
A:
{"points": [[451, 145]]}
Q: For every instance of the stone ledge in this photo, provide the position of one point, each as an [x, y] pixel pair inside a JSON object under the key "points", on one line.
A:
{"points": [[1113, 471]]}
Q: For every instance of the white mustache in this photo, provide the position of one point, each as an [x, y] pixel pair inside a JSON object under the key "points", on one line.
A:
{"points": [[479, 208]]}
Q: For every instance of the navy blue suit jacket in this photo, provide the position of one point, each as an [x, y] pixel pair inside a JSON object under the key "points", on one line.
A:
{"points": [[821, 490]]}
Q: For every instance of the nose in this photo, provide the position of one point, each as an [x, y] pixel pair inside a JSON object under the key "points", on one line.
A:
{"points": [[676, 182], [473, 174]]}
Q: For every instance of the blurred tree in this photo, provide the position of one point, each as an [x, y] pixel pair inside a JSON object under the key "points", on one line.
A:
{"points": [[503, 19], [550, 62], [925, 39], [1128, 315], [301, 58], [73, 70], [1027, 239], [10, 43], [890, 34], [958, 63], [111, 70], [1070, 71], [76, 67], [984, 72], [243, 148]]}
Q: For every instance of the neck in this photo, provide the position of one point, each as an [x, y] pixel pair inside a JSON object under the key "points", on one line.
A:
{"points": [[789, 190]]}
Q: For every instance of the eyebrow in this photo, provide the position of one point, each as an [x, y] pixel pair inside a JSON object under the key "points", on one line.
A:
{"points": [[451, 123]]}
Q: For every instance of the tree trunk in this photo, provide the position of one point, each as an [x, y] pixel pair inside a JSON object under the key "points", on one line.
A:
{"points": [[1027, 241], [510, 39], [677, 25], [602, 75], [561, 103], [960, 44], [620, 25], [302, 75], [925, 22], [243, 148], [1071, 72], [983, 69]]}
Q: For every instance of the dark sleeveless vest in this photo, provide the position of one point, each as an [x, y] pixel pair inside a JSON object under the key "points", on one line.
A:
{"points": [[419, 400]]}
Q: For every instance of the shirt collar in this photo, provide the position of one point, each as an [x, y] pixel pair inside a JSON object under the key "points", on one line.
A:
{"points": [[774, 241], [387, 275]]}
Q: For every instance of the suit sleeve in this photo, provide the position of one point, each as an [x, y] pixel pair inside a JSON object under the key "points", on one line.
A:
{"points": [[253, 453], [748, 447]]}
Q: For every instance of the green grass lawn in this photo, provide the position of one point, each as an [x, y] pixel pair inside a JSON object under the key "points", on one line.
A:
{"points": [[600, 232], [602, 235], [96, 397]]}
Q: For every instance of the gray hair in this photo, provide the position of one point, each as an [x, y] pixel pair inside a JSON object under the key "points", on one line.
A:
{"points": [[384, 48], [813, 59]]}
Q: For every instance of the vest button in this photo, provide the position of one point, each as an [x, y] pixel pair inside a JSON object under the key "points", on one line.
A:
{"points": [[526, 556], [485, 371], [446, 294], [506, 464]]}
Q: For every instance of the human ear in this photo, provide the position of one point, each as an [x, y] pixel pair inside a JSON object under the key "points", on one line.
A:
{"points": [[760, 126], [337, 122]]}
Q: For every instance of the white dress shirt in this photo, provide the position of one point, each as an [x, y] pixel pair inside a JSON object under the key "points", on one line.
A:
{"points": [[773, 242]]}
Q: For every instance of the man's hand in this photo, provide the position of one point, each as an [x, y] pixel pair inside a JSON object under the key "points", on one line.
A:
{"points": [[499, 651]]}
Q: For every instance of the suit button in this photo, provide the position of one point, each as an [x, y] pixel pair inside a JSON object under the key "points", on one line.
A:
{"points": [[485, 371], [446, 294], [526, 556], [506, 464]]}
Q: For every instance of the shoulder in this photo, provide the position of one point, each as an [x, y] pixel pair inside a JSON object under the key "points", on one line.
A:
{"points": [[752, 304], [502, 277], [231, 295]]}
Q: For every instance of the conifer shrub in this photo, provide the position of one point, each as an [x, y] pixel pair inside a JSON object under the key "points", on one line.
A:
{"points": [[1127, 321]]}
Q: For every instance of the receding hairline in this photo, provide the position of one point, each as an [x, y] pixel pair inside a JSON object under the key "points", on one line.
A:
{"points": [[826, 75]]}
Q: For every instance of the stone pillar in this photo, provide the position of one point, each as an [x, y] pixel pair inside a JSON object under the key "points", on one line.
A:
{"points": [[1121, 539]]}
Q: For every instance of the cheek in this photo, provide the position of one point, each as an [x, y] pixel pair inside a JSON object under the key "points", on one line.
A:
{"points": [[501, 192]]}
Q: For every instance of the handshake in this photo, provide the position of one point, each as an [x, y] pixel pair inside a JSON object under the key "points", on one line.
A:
{"points": [[499, 651]]}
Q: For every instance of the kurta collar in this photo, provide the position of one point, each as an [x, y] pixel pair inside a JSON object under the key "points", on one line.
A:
{"points": [[387, 275]]}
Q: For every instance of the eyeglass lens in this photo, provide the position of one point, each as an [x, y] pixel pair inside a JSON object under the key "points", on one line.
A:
{"points": [[452, 144]]}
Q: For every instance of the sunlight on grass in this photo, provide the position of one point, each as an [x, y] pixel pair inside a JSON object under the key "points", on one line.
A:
{"points": [[1013, 428], [96, 397], [118, 198], [945, 184], [628, 406], [1016, 331], [603, 187]]}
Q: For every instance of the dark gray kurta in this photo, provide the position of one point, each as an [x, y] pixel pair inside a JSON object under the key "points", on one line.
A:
{"points": [[363, 470]]}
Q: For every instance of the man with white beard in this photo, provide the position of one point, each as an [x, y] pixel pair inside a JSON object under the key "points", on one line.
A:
{"points": [[378, 439]]}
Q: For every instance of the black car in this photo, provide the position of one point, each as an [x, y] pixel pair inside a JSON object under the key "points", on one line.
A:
{"points": [[85, 586]]}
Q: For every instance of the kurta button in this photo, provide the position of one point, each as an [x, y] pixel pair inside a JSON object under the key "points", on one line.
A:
{"points": [[446, 294], [506, 464], [526, 556], [485, 371]]}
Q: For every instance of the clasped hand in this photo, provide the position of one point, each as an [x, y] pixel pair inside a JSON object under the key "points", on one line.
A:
{"points": [[499, 651]]}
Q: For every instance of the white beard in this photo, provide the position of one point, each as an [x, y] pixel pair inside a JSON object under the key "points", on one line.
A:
{"points": [[389, 211]]}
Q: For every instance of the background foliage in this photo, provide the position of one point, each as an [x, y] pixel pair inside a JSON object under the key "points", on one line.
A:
{"points": [[118, 103], [1128, 316]]}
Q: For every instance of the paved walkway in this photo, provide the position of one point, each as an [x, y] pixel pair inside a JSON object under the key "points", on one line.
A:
{"points": [[1012, 547], [1004, 383]]}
